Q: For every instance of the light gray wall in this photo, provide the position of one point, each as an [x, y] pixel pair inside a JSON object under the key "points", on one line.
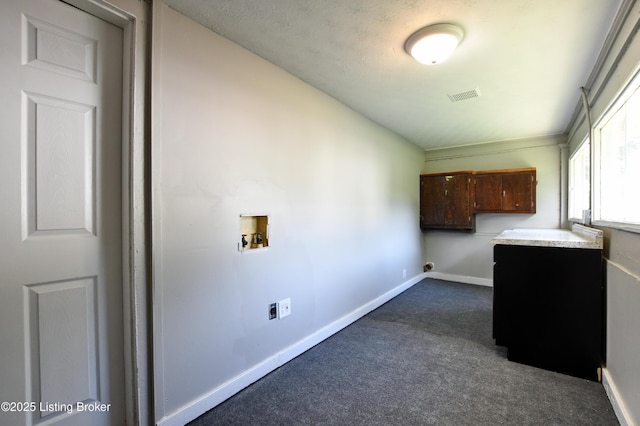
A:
{"points": [[468, 257], [621, 248], [233, 134]]}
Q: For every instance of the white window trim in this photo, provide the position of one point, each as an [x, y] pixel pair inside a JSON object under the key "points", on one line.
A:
{"points": [[622, 97], [581, 219]]}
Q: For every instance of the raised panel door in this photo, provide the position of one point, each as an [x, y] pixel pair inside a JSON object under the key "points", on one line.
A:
{"points": [[61, 310]]}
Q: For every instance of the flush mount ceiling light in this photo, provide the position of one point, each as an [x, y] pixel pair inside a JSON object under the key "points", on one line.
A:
{"points": [[433, 44]]}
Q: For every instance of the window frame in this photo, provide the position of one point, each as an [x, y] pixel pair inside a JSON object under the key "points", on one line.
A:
{"points": [[629, 89], [583, 150]]}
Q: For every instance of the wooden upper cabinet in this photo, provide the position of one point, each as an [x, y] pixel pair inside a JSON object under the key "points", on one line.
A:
{"points": [[446, 201], [505, 191]]}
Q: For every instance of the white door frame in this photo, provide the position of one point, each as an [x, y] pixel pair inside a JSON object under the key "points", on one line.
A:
{"points": [[133, 17]]}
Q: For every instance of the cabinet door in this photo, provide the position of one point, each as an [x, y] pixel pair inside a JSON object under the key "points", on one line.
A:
{"points": [[457, 204], [488, 192], [518, 192], [431, 201]]}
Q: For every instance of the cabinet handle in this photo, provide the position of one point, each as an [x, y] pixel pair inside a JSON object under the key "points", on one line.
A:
{"points": [[446, 192], [504, 193]]}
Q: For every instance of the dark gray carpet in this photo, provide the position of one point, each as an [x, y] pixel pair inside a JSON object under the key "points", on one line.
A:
{"points": [[425, 357]]}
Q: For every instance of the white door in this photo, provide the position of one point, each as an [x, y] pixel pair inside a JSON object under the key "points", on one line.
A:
{"points": [[61, 331]]}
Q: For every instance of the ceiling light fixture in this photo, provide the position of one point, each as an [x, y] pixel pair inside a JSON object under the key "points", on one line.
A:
{"points": [[433, 44]]}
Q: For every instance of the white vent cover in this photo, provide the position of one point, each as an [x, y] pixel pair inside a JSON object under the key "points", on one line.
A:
{"points": [[473, 93]]}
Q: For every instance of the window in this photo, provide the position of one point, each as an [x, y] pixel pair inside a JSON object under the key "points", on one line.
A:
{"points": [[617, 161], [579, 182]]}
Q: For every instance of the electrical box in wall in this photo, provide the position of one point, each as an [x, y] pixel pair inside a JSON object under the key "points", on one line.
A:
{"points": [[254, 232]]}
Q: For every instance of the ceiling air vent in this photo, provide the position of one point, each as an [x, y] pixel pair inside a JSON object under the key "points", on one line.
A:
{"points": [[473, 93]]}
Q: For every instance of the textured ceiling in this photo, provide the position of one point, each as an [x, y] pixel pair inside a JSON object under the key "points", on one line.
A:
{"points": [[527, 59]]}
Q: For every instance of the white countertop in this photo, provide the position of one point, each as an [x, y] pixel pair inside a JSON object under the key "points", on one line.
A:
{"points": [[579, 237]]}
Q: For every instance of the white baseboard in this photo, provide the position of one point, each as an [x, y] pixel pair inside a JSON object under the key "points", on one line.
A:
{"points": [[460, 278], [616, 402], [200, 406]]}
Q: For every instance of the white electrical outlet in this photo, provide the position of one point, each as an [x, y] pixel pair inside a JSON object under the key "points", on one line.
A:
{"points": [[284, 308], [404, 273]]}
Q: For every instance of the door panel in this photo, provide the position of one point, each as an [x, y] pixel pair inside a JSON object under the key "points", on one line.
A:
{"points": [[61, 331], [62, 327], [60, 147], [457, 202], [432, 200], [517, 189], [488, 195]]}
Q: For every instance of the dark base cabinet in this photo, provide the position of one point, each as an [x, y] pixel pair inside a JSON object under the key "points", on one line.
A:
{"points": [[548, 307]]}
